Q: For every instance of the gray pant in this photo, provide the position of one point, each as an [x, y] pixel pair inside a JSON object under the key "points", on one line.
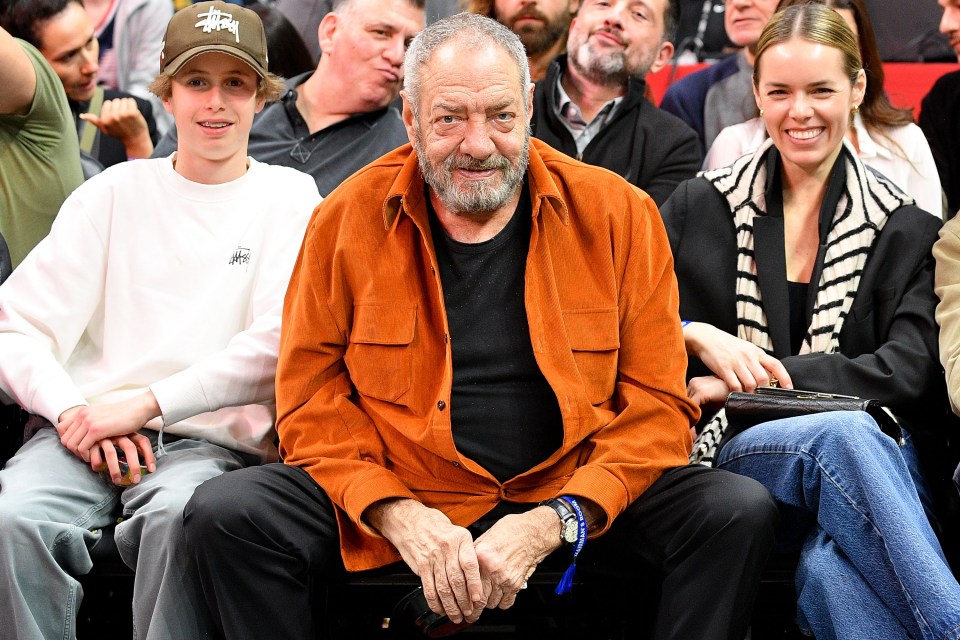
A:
{"points": [[52, 507]]}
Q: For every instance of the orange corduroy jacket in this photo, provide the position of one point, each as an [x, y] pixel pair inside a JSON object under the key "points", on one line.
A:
{"points": [[364, 377]]}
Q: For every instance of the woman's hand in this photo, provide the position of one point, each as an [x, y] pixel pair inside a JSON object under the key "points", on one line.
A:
{"points": [[742, 366]]}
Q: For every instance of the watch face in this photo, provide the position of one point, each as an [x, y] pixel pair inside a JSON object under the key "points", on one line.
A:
{"points": [[570, 530]]}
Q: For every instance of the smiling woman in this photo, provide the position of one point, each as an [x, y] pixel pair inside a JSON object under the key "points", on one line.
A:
{"points": [[806, 92], [798, 263], [884, 137]]}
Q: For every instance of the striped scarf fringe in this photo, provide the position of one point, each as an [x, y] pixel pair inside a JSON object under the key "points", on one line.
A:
{"points": [[865, 204]]}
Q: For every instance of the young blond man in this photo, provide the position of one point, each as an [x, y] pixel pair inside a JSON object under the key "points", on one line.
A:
{"points": [[142, 334]]}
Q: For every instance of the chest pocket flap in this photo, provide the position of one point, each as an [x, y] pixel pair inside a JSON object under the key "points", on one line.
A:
{"points": [[594, 336], [379, 354]]}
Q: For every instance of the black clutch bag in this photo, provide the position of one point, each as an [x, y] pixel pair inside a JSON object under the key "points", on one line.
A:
{"points": [[413, 611], [744, 410]]}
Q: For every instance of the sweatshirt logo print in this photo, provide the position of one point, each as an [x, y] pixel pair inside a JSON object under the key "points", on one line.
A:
{"points": [[240, 257]]}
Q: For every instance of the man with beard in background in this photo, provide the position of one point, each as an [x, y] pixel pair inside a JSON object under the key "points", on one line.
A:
{"points": [[721, 95], [591, 105], [541, 25]]}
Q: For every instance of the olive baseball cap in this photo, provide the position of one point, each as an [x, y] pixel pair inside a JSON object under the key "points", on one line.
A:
{"points": [[214, 26]]}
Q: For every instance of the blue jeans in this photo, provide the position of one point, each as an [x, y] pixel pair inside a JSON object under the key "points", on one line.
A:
{"points": [[870, 564]]}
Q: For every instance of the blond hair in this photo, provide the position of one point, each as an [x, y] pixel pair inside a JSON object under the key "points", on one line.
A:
{"points": [[269, 89], [814, 23]]}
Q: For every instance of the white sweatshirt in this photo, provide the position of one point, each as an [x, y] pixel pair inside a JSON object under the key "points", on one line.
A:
{"points": [[150, 280]]}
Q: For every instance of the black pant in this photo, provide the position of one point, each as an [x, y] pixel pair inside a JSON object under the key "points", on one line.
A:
{"points": [[260, 537]]}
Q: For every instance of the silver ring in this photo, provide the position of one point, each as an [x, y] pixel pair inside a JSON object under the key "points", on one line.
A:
{"points": [[524, 585]]}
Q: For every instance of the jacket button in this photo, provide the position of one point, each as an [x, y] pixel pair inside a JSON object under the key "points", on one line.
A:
{"points": [[441, 405], [455, 463]]}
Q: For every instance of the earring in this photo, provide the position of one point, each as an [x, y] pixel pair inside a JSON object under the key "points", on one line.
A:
{"points": [[761, 113], [856, 108]]}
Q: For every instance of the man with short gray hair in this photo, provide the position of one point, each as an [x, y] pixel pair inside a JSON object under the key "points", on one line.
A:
{"points": [[481, 366]]}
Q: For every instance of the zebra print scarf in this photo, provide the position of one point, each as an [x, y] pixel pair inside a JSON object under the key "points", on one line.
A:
{"points": [[866, 201]]}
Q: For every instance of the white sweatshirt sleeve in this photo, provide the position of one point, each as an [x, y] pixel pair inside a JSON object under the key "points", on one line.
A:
{"points": [[45, 306]]}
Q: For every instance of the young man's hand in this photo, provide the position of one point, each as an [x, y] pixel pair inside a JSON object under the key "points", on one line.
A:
{"points": [[132, 448], [83, 426]]}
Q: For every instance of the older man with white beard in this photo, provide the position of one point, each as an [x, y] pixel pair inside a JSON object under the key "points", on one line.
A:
{"points": [[591, 104], [481, 365]]}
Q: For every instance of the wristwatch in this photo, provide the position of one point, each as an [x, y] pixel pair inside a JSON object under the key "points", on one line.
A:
{"points": [[569, 530]]}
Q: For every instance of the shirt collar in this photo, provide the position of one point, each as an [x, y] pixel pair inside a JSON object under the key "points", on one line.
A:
{"points": [[569, 111], [868, 147]]}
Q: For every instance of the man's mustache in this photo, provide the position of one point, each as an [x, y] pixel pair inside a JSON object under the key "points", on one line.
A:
{"points": [[529, 11], [472, 164]]}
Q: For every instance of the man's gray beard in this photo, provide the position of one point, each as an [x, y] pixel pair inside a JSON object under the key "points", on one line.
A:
{"points": [[609, 70], [477, 198]]}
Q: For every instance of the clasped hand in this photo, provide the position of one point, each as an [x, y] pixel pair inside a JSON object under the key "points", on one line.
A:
{"points": [[95, 432], [462, 576]]}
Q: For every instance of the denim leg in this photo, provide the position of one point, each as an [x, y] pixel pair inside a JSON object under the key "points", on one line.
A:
{"points": [[150, 539], [842, 469], [50, 503], [912, 459], [848, 609]]}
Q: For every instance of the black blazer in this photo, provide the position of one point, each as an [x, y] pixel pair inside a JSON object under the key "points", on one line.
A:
{"points": [[889, 342], [650, 148], [107, 149]]}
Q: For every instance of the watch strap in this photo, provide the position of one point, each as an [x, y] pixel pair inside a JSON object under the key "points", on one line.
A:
{"points": [[568, 519]]}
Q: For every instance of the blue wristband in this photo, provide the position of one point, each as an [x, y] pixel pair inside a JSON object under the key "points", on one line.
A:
{"points": [[684, 323], [566, 582]]}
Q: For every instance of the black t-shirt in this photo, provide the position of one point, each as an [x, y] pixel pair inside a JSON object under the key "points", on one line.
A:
{"points": [[799, 318], [505, 415]]}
